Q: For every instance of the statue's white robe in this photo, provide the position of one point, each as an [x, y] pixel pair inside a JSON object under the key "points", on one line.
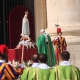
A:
{"points": [[25, 27]]}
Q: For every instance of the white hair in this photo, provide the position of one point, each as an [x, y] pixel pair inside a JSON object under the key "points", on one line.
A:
{"points": [[42, 30]]}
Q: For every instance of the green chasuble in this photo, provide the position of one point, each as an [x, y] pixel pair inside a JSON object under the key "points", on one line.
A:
{"points": [[65, 73], [24, 74], [43, 74], [28, 74], [35, 74], [47, 49]]}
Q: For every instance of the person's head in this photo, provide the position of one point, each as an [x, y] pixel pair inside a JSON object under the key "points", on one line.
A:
{"points": [[65, 55], [35, 58], [42, 58], [3, 52], [60, 34], [42, 31]]}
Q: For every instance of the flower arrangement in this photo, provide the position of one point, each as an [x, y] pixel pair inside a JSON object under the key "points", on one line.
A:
{"points": [[18, 65]]}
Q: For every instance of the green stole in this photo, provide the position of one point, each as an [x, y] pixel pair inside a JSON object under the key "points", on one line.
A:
{"points": [[46, 49], [65, 73]]}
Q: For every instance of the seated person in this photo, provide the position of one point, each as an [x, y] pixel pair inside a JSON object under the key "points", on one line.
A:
{"points": [[7, 72], [65, 71]]}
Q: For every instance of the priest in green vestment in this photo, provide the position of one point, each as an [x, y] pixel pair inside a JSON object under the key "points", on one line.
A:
{"points": [[43, 71], [40, 72], [44, 45], [29, 72], [65, 71]]}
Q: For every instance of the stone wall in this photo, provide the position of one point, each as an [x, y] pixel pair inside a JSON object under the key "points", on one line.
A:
{"points": [[64, 12], [40, 16]]}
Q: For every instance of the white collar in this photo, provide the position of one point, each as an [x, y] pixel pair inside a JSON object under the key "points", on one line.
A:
{"points": [[44, 33], [43, 66], [65, 63], [35, 65], [2, 61]]}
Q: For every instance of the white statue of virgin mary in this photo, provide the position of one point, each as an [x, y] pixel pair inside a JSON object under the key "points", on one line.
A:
{"points": [[25, 25]]}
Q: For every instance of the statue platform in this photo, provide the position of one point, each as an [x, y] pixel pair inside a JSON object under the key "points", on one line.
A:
{"points": [[17, 53]]}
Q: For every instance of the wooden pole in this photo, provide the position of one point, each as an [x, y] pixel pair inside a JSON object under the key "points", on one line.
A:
{"points": [[22, 52]]}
